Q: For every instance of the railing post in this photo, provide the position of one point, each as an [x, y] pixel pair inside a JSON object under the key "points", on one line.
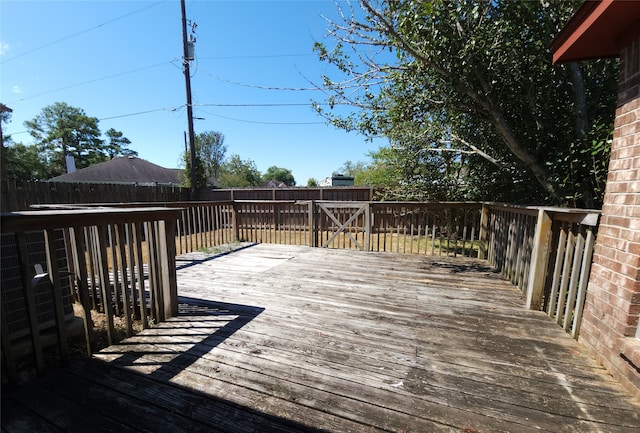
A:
{"points": [[167, 257], [276, 223], [484, 231], [234, 221], [539, 260], [367, 231], [313, 241]]}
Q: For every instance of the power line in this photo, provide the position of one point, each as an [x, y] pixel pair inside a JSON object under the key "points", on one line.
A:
{"points": [[275, 104], [138, 113], [254, 86], [142, 112], [261, 122], [92, 81], [257, 56], [80, 32]]}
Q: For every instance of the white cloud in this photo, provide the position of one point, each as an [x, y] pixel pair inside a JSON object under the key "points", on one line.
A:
{"points": [[16, 89], [4, 48]]}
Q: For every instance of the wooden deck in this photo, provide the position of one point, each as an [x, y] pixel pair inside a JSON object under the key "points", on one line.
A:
{"points": [[289, 339]]}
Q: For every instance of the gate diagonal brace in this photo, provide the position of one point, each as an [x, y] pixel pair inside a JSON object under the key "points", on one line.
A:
{"points": [[342, 227]]}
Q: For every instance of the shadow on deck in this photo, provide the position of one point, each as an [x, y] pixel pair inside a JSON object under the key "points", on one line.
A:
{"points": [[292, 339]]}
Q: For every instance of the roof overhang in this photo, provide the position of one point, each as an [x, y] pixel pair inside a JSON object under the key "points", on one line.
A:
{"points": [[599, 29]]}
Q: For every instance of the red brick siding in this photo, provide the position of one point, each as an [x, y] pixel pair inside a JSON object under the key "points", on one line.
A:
{"points": [[613, 297]]}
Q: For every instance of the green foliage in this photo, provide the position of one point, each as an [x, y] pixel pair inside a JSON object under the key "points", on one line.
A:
{"points": [[236, 172], [210, 154], [587, 160], [60, 130], [24, 162], [466, 93], [117, 143], [279, 174], [212, 151], [312, 182]]}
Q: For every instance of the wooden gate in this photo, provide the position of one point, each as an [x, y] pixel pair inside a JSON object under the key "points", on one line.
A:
{"points": [[342, 225]]}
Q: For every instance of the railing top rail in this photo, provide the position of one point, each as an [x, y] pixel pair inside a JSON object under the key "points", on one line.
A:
{"points": [[62, 218], [587, 217], [431, 204], [271, 201]]}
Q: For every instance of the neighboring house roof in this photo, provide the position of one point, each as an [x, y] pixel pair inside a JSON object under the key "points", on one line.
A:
{"points": [[125, 169], [274, 184], [598, 29]]}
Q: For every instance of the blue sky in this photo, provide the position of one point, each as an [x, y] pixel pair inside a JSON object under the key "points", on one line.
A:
{"points": [[116, 59]]}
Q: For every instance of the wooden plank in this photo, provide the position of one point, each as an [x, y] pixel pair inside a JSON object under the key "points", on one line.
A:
{"points": [[8, 357], [166, 262], [333, 346], [564, 281], [18, 419], [583, 283], [573, 283], [62, 413], [56, 294], [138, 263], [29, 300], [539, 260], [127, 302], [106, 295], [324, 341], [557, 271], [78, 237]]}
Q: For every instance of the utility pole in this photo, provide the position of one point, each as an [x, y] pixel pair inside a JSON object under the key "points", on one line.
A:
{"points": [[186, 58]]}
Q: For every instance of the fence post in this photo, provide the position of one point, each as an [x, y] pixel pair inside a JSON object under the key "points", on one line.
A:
{"points": [[484, 231], [539, 261]]}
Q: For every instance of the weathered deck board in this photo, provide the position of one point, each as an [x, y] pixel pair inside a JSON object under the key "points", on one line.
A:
{"points": [[289, 339]]}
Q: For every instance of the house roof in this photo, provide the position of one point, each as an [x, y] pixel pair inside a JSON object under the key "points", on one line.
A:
{"points": [[126, 169], [274, 184], [598, 29]]}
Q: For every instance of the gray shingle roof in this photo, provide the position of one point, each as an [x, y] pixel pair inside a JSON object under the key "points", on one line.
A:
{"points": [[125, 169]]}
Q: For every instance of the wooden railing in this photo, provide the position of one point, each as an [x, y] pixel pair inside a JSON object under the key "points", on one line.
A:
{"points": [[547, 253], [118, 261], [406, 227]]}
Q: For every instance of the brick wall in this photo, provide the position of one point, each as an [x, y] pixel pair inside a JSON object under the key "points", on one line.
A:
{"points": [[613, 298]]}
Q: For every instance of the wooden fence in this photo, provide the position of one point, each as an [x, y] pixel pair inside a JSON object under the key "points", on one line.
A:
{"points": [[107, 252], [21, 195], [341, 193]]}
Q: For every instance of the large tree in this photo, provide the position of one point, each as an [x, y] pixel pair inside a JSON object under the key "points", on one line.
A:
{"points": [[237, 172], [61, 130], [467, 88], [24, 162], [280, 174], [5, 117], [210, 155], [117, 144]]}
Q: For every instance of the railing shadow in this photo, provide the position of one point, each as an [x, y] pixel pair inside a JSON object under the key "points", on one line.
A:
{"points": [[203, 325], [184, 261]]}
